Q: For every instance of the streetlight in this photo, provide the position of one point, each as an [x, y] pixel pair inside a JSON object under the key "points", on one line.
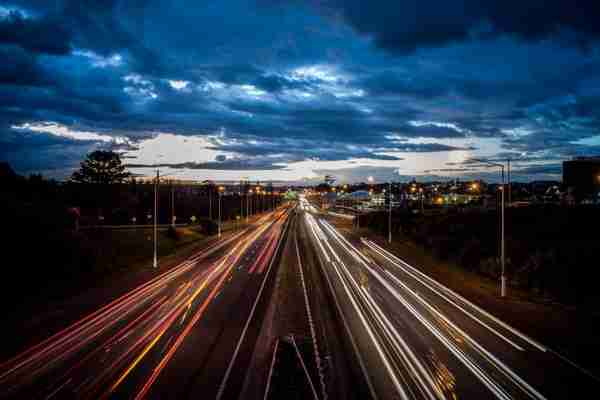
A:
{"points": [[155, 258], [257, 201], [502, 252], [155, 261], [221, 189], [210, 202], [241, 193], [248, 204], [390, 213], [172, 205]]}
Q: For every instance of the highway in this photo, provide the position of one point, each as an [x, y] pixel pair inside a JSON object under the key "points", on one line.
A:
{"points": [[413, 338], [184, 334]]}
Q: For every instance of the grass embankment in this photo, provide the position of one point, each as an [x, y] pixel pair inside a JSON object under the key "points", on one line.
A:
{"points": [[126, 248], [45, 265]]}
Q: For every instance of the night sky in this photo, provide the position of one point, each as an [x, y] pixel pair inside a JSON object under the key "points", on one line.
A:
{"points": [[292, 90]]}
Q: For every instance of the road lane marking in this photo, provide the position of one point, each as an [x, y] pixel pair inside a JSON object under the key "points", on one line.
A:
{"points": [[459, 297], [243, 334], [308, 378], [343, 318], [466, 361], [404, 350], [271, 368], [311, 324], [527, 388], [399, 389], [466, 312], [493, 386]]}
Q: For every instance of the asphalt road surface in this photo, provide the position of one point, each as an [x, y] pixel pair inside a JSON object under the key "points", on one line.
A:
{"points": [[185, 334], [416, 339], [376, 327]]}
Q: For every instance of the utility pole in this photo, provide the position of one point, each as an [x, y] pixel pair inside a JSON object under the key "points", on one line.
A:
{"points": [[248, 192], [219, 211], [241, 200], [502, 244], [503, 276], [509, 185], [155, 262], [172, 205], [210, 202], [390, 213]]}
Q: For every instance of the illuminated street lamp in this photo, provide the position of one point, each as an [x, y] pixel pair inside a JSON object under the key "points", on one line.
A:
{"points": [[390, 214], [248, 204], [155, 260], [221, 189], [502, 251]]}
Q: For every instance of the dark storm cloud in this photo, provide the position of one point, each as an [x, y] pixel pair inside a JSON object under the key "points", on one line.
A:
{"points": [[448, 71], [297, 150], [537, 169], [33, 151], [288, 149], [226, 165], [22, 70], [409, 25], [43, 35]]}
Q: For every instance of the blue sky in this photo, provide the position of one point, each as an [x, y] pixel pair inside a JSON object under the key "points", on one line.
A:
{"points": [[293, 90]]}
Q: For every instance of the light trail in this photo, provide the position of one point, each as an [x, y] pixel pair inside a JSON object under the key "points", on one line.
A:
{"points": [[100, 319], [383, 357], [311, 324], [394, 340], [379, 251], [153, 318], [407, 267], [225, 379], [518, 380]]}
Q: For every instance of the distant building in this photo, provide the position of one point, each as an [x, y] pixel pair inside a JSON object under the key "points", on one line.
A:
{"points": [[360, 195], [582, 176], [378, 200]]}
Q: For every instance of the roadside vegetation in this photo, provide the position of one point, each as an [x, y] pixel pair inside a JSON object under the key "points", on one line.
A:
{"points": [[551, 251], [49, 255]]}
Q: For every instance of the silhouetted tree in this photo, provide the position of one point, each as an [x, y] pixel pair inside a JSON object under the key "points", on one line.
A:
{"points": [[101, 167]]}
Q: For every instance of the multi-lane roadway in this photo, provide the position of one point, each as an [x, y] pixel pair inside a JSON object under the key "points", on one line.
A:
{"points": [[378, 328], [184, 334], [416, 339]]}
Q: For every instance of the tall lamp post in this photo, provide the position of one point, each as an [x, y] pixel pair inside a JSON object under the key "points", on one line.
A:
{"points": [[155, 261], [241, 193], [257, 201], [390, 213], [221, 189], [248, 204], [172, 205], [502, 251]]}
